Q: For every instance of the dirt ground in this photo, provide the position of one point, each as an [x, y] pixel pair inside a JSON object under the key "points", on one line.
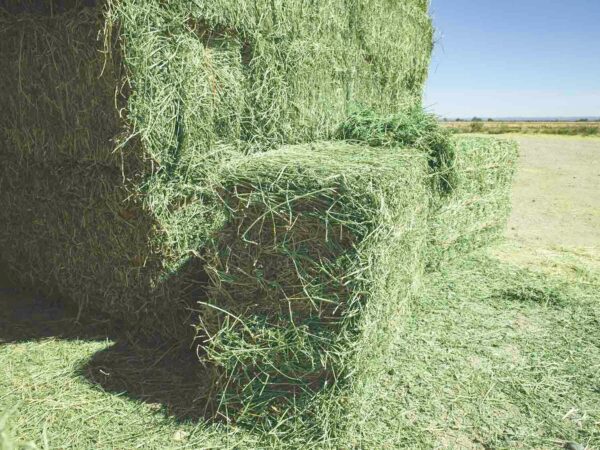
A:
{"points": [[556, 196]]}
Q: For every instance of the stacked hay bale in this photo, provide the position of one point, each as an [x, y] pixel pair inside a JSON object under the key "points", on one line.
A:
{"points": [[312, 274], [307, 62], [103, 211], [471, 177], [321, 256], [474, 213], [116, 118]]}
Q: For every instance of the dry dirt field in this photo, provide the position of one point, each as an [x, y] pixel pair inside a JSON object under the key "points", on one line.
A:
{"points": [[556, 197]]}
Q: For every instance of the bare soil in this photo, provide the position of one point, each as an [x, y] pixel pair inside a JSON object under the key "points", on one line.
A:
{"points": [[556, 196]]}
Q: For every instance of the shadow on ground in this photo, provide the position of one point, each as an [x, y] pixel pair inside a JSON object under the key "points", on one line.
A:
{"points": [[163, 374]]}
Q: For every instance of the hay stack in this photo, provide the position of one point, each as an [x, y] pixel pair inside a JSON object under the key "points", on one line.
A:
{"points": [[146, 141], [91, 211], [116, 118], [320, 257]]}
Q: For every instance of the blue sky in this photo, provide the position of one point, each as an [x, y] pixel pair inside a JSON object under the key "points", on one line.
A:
{"points": [[522, 58]]}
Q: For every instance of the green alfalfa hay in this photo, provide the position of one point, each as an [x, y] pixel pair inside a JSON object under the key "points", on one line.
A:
{"points": [[163, 116], [268, 352], [410, 127], [302, 63], [90, 211], [319, 258], [308, 62], [472, 177], [475, 213], [150, 98]]}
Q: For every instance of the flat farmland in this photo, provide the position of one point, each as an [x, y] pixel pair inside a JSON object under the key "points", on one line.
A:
{"points": [[588, 128]]}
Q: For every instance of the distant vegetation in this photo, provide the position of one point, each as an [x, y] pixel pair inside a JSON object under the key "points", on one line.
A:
{"points": [[582, 127]]}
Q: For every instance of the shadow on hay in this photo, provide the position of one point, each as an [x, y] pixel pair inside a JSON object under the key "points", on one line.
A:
{"points": [[45, 7], [138, 365]]}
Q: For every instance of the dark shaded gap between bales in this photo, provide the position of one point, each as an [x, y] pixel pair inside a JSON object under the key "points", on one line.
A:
{"points": [[45, 7]]}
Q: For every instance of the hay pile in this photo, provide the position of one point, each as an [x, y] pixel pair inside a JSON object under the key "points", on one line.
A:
{"points": [[89, 211], [312, 274], [474, 213], [267, 158], [471, 176], [320, 256], [116, 118]]}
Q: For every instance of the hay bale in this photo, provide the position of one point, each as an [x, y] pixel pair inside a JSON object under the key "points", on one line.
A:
{"points": [[306, 62], [116, 118], [90, 211], [408, 127], [471, 177], [474, 213], [311, 277]]}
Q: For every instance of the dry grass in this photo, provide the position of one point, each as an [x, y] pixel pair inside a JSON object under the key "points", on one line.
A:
{"points": [[498, 127]]}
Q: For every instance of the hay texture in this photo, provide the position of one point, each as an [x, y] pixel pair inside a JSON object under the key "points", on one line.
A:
{"points": [[408, 127], [314, 271], [90, 209], [116, 118], [471, 177], [474, 213], [269, 158], [323, 248]]}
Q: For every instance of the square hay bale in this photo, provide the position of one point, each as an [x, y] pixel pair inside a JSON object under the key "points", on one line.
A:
{"points": [[311, 279], [116, 116], [475, 212], [95, 208], [307, 62]]}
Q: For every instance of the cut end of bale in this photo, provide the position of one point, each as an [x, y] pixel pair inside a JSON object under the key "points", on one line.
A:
{"points": [[323, 241]]}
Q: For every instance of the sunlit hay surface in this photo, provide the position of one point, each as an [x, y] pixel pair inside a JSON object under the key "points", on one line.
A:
{"points": [[408, 127], [307, 62], [471, 177], [475, 212], [312, 274]]}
